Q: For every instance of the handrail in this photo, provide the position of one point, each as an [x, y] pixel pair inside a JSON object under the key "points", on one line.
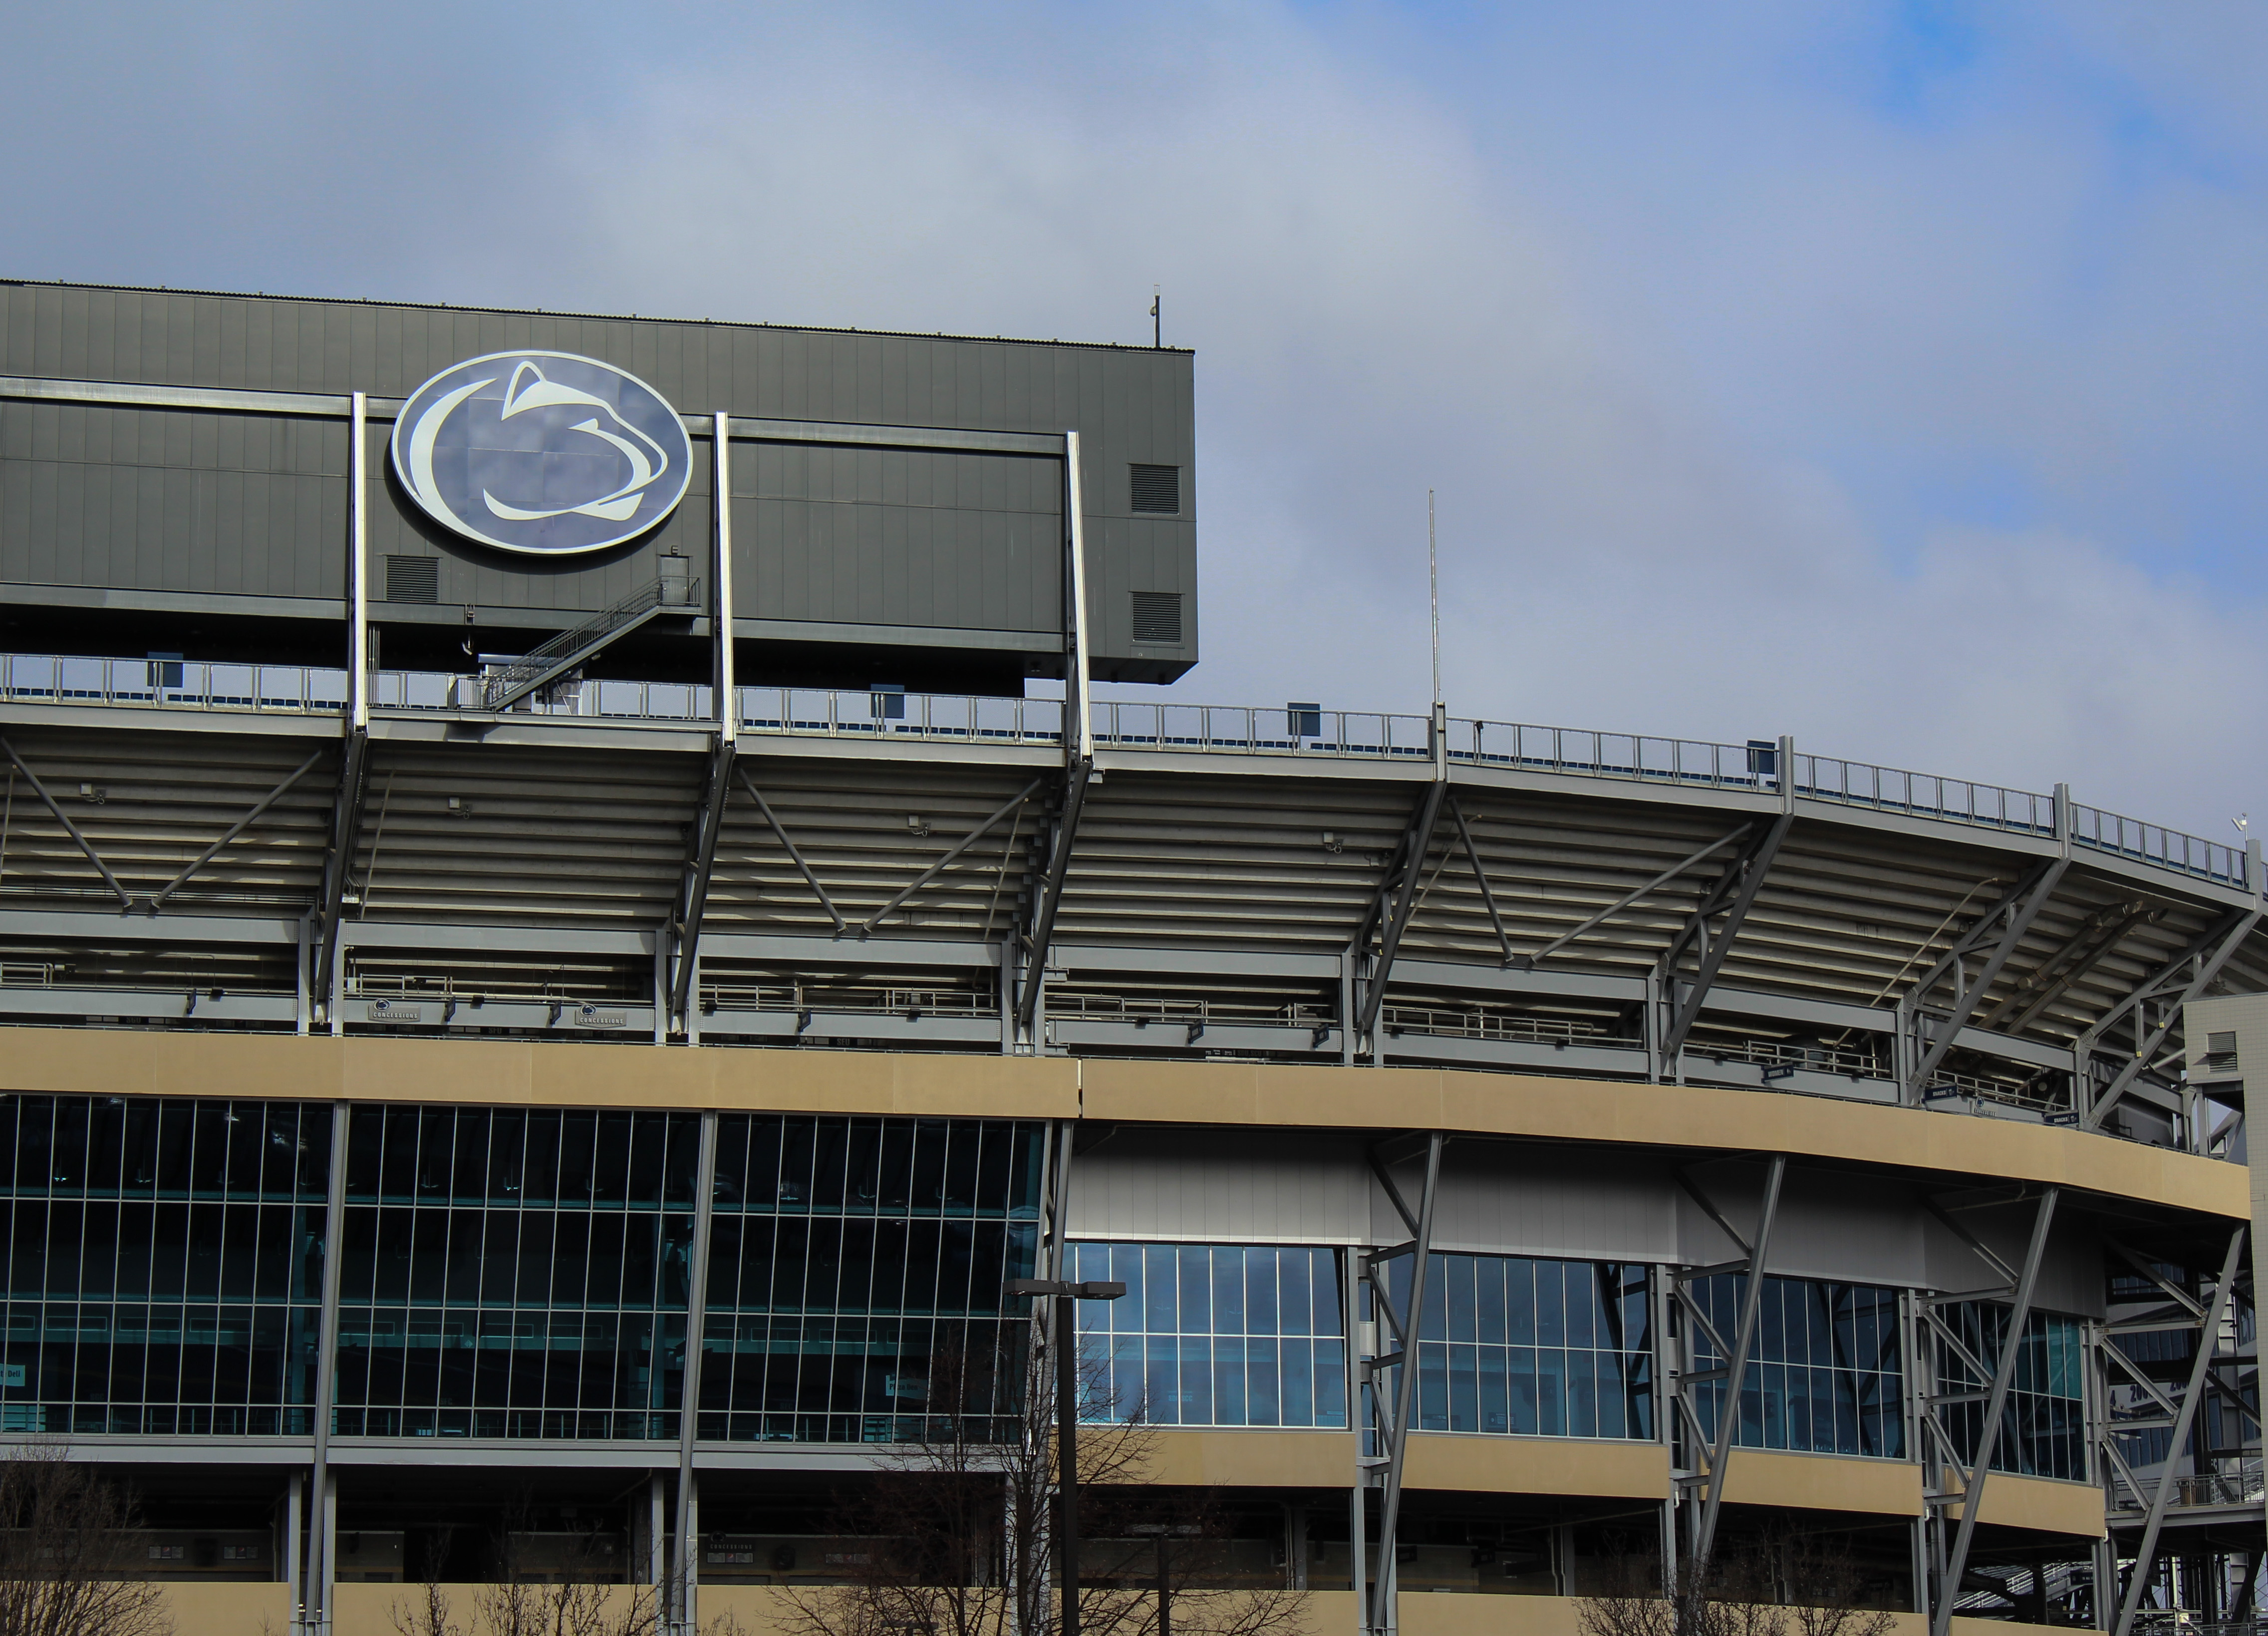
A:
{"points": [[1138, 726]]}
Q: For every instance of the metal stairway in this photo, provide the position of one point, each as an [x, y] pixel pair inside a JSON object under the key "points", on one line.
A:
{"points": [[668, 594]]}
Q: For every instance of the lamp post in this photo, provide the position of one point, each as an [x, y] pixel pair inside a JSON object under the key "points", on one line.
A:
{"points": [[1066, 1296]]}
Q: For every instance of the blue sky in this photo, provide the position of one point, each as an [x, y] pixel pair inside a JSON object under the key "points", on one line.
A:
{"points": [[1892, 374]]}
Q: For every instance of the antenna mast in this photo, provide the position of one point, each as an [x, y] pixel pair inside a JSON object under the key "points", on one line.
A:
{"points": [[1433, 578]]}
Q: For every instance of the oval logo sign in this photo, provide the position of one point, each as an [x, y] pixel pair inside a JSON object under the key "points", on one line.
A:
{"points": [[544, 453]]}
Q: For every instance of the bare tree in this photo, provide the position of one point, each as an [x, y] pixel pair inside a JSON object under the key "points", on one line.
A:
{"points": [[1786, 1586], [63, 1530], [579, 1600], [956, 1526]]}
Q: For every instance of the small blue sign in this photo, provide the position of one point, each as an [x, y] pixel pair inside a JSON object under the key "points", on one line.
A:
{"points": [[542, 453]]}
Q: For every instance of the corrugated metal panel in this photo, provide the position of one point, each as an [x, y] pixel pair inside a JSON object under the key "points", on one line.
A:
{"points": [[1235, 1188], [1506, 1199]]}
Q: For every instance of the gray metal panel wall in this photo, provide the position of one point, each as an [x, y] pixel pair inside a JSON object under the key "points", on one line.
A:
{"points": [[1130, 405], [1234, 1187], [1831, 1225], [1504, 1198]]}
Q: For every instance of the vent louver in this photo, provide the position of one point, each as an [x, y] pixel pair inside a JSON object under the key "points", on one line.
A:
{"points": [[1157, 489], [1157, 617], [413, 580], [2220, 1053]]}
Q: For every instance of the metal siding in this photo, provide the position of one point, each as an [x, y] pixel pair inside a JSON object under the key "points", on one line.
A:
{"points": [[1235, 1188], [1506, 1199]]}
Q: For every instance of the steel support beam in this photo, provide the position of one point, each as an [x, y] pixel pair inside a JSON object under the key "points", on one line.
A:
{"points": [[780, 831], [1416, 840], [2209, 953], [1733, 895], [2138, 1582], [321, 1572], [688, 1565], [1380, 1612], [125, 897], [1481, 880], [2084, 950], [338, 862], [1076, 779], [1737, 1366], [682, 936], [942, 864], [266, 801], [1528, 962], [1996, 1403], [2015, 913]]}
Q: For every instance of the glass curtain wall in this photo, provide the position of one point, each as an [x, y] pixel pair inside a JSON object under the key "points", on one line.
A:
{"points": [[856, 1271], [2044, 1427], [511, 1273], [1826, 1374], [164, 1264], [1516, 1345], [1215, 1335]]}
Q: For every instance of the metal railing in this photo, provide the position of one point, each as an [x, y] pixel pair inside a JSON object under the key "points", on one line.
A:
{"points": [[1587, 753], [2154, 843], [1207, 729], [170, 684], [1922, 795]]}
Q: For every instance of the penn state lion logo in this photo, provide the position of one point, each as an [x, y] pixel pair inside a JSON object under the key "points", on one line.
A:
{"points": [[544, 453]]}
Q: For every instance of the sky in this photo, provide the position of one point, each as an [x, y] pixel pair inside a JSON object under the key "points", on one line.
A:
{"points": [[1892, 375]]}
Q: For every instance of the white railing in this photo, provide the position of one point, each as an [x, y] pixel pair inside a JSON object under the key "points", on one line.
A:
{"points": [[1120, 725]]}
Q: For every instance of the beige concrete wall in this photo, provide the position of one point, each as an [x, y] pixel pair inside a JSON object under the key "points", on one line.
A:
{"points": [[1536, 1465], [1755, 1476], [535, 1072], [1253, 1459], [2041, 1503], [230, 1609]]}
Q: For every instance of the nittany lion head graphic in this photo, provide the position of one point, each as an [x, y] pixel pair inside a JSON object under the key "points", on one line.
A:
{"points": [[541, 451]]}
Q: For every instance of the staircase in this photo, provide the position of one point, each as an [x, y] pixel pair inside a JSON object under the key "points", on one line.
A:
{"points": [[669, 594]]}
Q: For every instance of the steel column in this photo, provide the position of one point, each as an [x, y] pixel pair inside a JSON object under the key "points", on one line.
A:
{"points": [[1077, 775], [2211, 951], [1417, 841], [320, 1569], [2138, 1580], [682, 934], [1383, 1608], [688, 1565], [771, 818], [1737, 1366], [1996, 1403]]}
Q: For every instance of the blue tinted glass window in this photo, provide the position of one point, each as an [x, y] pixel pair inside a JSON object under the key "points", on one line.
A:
{"points": [[1826, 1375], [164, 1264], [858, 1271], [1238, 1335], [2044, 1427]]}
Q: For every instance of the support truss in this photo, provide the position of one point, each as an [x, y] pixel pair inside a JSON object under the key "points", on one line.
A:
{"points": [[1396, 904], [1732, 897], [158, 901], [1967, 1487], [2012, 916], [1481, 880], [2155, 1007], [1389, 1384], [2080, 953], [1734, 1371], [2149, 1408]]}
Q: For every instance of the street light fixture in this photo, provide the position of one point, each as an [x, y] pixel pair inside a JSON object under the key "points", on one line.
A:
{"points": [[1065, 1294]]}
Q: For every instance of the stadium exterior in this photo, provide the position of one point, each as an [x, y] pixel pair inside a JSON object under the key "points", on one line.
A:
{"points": [[462, 1007]]}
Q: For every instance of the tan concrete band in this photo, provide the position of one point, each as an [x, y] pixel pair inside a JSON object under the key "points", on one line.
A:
{"points": [[1756, 1477], [584, 1074], [2041, 1503]]}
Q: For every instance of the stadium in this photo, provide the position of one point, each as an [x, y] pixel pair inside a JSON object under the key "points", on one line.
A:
{"points": [[538, 1016]]}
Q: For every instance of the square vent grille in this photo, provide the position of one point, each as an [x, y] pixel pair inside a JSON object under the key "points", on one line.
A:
{"points": [[1157, 617], [2220, 1052], [413, 580], [1157, 489]]}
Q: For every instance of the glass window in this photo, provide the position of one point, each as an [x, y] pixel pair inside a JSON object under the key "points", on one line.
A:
{"points": [[1214, 1334], [1826, 1373], [1510, 1345], [857, 1268], [2044, 1427], [511, 1273], [164, 1267]]}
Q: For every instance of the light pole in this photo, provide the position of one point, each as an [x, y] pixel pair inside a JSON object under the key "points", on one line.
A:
{"points": [[1066, 1296]]}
